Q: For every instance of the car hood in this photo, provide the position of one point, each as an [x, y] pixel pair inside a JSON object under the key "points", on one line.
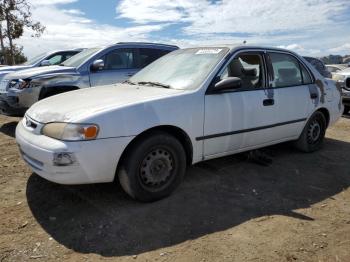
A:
{"points": [[13, 68], [345, 72], [75, 106], [39, 71]]}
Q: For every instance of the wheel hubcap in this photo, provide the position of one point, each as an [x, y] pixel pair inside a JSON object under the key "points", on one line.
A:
{"points": [[314, 132], [156, 168]]}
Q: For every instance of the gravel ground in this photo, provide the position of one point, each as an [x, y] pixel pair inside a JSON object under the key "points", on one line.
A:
{"points": [[228, 209]]}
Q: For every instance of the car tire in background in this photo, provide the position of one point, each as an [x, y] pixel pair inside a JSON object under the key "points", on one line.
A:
{"points": [[346, 110], [153, 167], [311, 139]]}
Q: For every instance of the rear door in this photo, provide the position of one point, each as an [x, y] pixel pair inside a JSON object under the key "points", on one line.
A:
{"points": [[119, 65], [291, 86]]}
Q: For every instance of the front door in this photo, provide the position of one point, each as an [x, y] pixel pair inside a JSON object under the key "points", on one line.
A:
{"points": [[239, 119], [119, 65]]}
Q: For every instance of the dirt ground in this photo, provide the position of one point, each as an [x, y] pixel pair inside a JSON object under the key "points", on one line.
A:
{"points": [[227, 209]]}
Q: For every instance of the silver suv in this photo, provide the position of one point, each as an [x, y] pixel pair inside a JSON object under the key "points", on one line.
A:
{"points": [[91, 67], [44, 59]]}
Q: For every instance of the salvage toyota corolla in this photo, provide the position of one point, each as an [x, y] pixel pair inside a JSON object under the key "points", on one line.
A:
{"points": [[189, 106]]}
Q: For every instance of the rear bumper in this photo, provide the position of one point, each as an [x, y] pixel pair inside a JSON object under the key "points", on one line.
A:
{"points": [[9, 106]]}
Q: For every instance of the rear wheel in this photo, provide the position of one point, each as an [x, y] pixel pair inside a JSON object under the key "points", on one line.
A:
{"points": [[313, 134], [153, 167]]}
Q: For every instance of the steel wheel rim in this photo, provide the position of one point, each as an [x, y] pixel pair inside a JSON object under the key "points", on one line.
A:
{"points": [[314, 132], [156, 169]]}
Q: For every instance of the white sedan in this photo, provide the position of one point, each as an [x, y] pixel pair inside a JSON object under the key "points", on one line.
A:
{"points": [[189, 106]]}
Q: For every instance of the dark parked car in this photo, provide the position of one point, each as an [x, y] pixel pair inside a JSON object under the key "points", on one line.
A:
{"points": [[319, 66]]}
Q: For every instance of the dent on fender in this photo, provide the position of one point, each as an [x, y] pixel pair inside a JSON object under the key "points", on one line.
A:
{"points": [[338, 86], [320, 85], [31, 95]]}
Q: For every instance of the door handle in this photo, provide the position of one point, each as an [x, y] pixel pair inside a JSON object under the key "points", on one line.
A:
{"points": [[313, 96], [130, 74], [269, 102]]}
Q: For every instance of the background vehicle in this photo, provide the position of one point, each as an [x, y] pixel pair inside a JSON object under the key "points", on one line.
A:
{"points": [[342, 77], [189, 106], [336, 68], [319, 65], [92, 67], [44, 59]]}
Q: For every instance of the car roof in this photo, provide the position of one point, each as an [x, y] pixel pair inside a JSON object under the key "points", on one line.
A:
{"points": [[242, 47], [145, 44], [65, 50]]}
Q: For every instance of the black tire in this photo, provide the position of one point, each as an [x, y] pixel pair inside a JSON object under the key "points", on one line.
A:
{"points": [[153, 167], [311, 139], [346, 110]]}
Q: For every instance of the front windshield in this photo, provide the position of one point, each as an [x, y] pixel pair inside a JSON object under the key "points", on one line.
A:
{"points": [[78, 59], [35, 59], [182, 69]]}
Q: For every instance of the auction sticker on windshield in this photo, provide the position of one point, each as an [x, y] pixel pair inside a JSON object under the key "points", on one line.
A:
{"points": [[208, 51], [3, 85]]}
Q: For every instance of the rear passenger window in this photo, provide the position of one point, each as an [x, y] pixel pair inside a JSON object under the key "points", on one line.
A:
{"points": [[288, 71], [148, 55]]}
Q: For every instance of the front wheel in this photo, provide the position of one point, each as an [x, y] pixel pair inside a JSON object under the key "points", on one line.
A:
{"points": [[311, 139], [153, 167]]}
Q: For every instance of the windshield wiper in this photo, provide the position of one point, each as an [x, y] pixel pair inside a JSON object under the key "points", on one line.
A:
{"points": [[154, 84], [129, 82]]}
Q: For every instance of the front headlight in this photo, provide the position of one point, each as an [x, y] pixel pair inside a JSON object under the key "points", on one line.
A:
{"points": [[338, 77], [20, 84], [71, 132]]}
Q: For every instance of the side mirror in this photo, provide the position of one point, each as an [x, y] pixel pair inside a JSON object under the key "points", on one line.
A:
{"points": [[228, 83], [45, 63], [98, 64]]}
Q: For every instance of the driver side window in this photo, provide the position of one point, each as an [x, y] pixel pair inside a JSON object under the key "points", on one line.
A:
{"points": [[119, 59], [249, 67], [55, 60]]}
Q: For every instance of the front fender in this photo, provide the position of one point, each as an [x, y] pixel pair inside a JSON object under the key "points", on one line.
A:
{"points": [[39, 86]]}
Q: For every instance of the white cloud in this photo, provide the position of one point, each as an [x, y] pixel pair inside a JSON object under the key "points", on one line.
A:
{"points": [[345, 48], [154, 10], [72, 29], [73, 12], [305, 26], [235, 16], [50, 2]]}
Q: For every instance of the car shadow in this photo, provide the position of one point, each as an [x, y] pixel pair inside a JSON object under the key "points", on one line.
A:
{"points": [[9, 128], [215, 196]]}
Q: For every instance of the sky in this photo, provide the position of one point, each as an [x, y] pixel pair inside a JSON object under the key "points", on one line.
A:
{"points": [[309, 27]]}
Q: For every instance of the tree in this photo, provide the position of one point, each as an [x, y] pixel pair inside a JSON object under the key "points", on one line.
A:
{"points": [[16, 15], [18, 55]]}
